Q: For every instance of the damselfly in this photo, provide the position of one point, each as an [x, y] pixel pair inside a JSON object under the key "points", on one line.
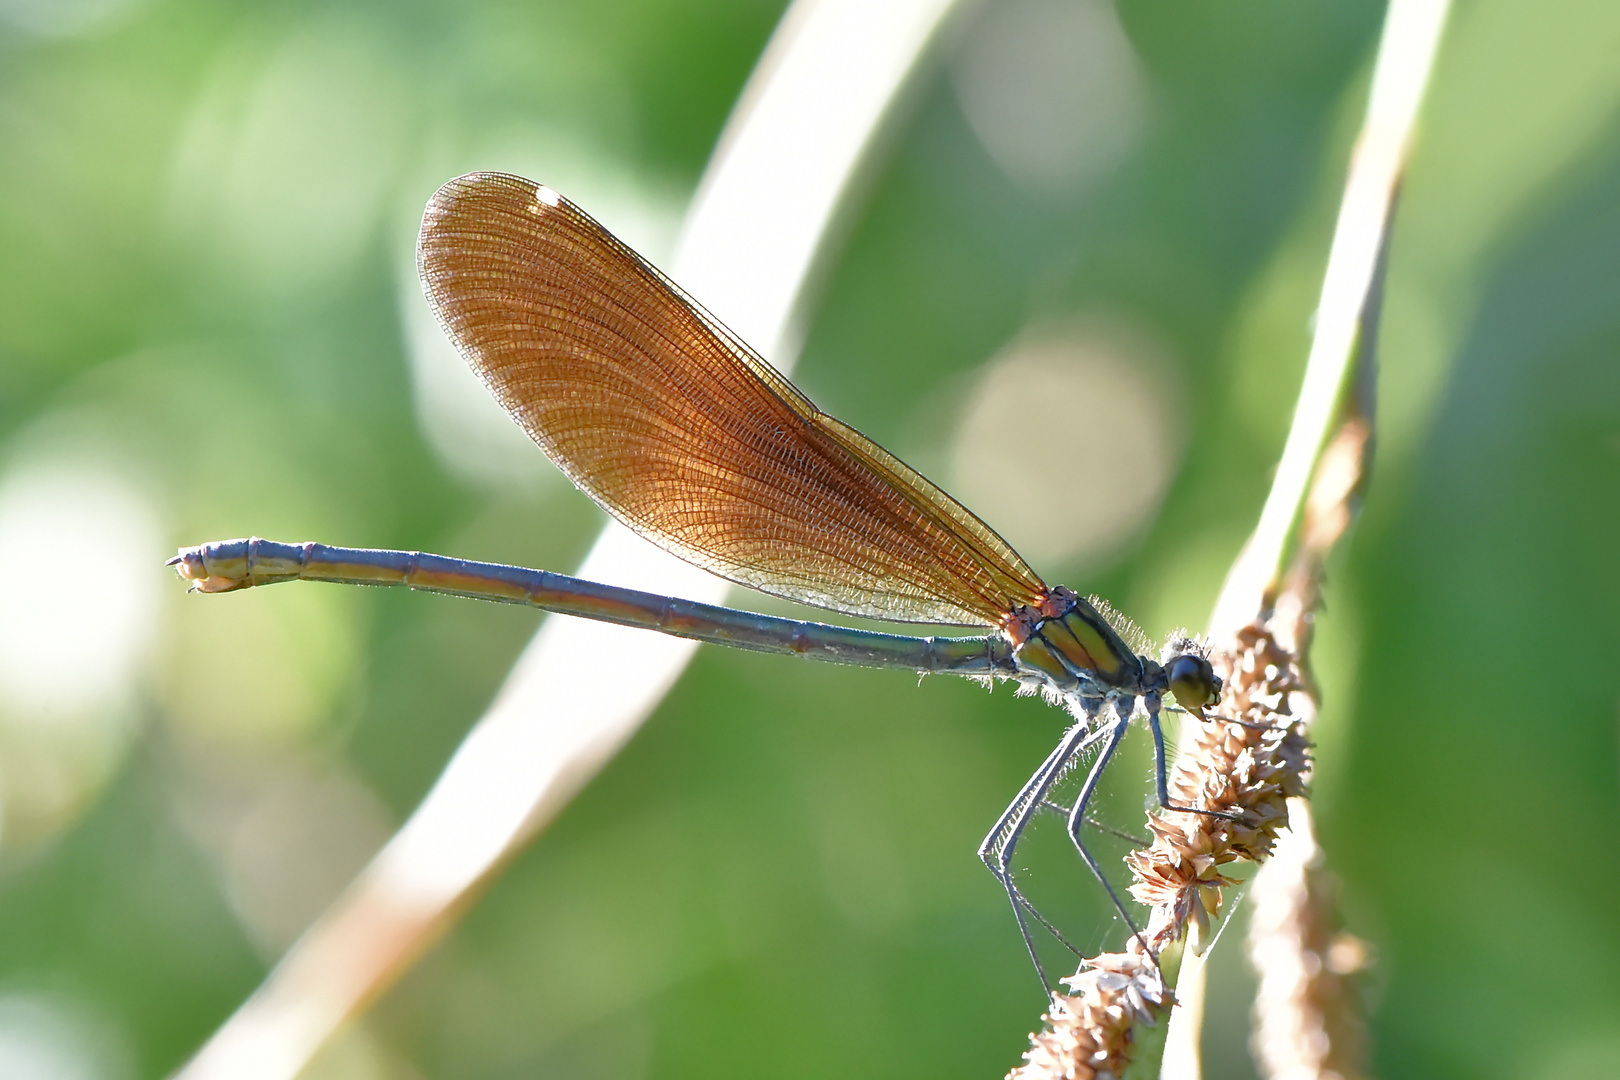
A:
{"points": [[679, 430]]}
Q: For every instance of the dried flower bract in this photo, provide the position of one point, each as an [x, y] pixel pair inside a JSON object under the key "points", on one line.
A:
{"points": [[1088, 1034]]}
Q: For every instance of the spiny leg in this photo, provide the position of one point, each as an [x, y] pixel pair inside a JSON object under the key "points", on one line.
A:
{"points": [[1116, 732], [997, 850]]}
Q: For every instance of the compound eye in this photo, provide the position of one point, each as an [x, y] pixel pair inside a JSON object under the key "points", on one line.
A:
{"points": [[1193, 681]]}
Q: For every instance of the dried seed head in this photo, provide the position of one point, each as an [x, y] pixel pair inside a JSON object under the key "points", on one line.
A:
{"points": [[1245, 760], [1088, 1034]]}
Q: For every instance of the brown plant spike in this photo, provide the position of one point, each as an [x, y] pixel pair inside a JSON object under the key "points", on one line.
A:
{"points": [[1250, 768], [1308, 1020], [1088, 1034], [1249, 760]]}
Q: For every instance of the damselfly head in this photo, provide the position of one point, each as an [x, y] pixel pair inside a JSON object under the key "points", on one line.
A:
{"points": [[1192, 678]]}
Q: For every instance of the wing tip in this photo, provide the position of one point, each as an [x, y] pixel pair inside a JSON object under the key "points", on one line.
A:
{"points": [[470, 206], [484, 187]]}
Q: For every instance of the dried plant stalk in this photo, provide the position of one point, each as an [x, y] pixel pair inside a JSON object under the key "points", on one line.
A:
{"points": [[1248, 760], [1308, 1023], [1253, 757], [1090, 1033]]}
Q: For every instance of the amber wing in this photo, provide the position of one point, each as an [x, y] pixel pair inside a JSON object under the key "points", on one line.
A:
{"points": [[683, 433]]}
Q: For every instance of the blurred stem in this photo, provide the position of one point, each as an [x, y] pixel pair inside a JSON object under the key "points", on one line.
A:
{"points": [[1316, 489], [1308, 1023], [1252, 759], [1349, 298]]}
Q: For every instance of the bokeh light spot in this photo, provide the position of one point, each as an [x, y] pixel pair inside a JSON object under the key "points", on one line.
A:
{"points": [[76, 599], [80, 558], [295, 850], [262, 667], [1069, 441], [1053, 90], [45, 1039], [288, 157], [61, 18]]}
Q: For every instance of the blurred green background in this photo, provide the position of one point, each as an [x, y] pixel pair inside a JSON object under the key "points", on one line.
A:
{"points": [[1113, 222]]}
